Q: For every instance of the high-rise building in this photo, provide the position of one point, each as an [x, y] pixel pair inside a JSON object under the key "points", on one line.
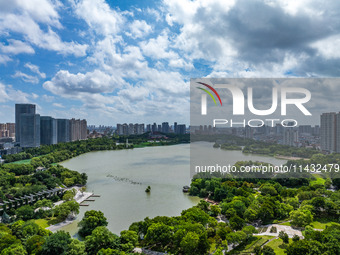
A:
{"points": [[29, 130], [63, 130], [131, 129], [290, 137], [305, 129], [74, 129], [181, 129], [48, 130], [165, 127], [10, 129], [22, 109], [328, 131], [83, 129], [175, 127], [154, 127]]}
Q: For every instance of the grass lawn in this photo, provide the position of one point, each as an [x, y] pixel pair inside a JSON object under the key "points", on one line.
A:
{"points": [[321, 224], [20, 162], [249, 247], [42, 223], [278, 246], [318, 180], [285, 224]]}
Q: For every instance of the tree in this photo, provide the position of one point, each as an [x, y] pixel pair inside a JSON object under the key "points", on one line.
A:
{"points": [[268, 189], [284, 237], [159, 233], [267, 250], [76, 247], [90, 221], [128, 240], [236, 223], [250, 215], [25, 212], [301, 218], [8, 240], [189, 244], [69, 194], [101, 238], [110, 251], [34, 243], [295, 238], [16, 249], [257, 250], [56, 244], [215, 210], [66, 209]]}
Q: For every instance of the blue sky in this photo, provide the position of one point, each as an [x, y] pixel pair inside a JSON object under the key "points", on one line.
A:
{"points": [[132, 60]]}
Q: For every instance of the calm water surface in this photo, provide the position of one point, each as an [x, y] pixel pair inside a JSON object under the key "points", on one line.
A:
{"points": [[121, 177]]}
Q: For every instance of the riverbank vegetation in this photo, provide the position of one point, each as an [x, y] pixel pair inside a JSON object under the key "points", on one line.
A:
{"points": [[232, 142]]}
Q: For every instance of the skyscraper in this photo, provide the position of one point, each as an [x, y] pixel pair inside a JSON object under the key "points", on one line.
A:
{"points": [[165, 127], [328, 131], [29, 130], [21, 109], [48, 130], [63, 130]]}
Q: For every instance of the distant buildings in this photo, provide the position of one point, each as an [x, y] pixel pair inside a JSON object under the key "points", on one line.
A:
{"points": [[7, 130], [137, 129], [32, 129], [330, 132], [290, 137]]}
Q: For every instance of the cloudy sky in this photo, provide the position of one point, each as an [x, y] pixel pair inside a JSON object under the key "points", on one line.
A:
{"points": [[131, 60]]}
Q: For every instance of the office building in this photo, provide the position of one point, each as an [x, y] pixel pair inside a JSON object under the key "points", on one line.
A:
{"points": [[48, 130], [22, 109], [29, 130], [63, 130]]}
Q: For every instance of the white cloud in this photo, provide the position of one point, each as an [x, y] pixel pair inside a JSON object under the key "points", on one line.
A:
{"points": [[328, 47], [16, 47], [58, 105], [139, 29], [68, 84], [35, 69], [99, 16], [7, 93], [3, 93], [48, 98], [26, 77], [4, 59], [22, 17]]}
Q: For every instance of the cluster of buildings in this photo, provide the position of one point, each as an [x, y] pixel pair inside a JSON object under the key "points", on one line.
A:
{"points": [[137, 129], [7, 130], [32, 130], [299, 136]]}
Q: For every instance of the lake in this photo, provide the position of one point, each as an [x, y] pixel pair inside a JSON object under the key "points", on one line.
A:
{"points": [[121, 177]]}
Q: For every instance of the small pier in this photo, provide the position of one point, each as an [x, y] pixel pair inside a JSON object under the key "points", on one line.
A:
{"points": [[95, 195], [84, 205]]}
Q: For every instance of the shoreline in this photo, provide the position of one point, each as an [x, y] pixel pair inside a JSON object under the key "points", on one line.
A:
{"points": [[79, 198], [289, 157]]}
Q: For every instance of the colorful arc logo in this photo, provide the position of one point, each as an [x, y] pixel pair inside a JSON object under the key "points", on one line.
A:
{"points": [[209, 93]]}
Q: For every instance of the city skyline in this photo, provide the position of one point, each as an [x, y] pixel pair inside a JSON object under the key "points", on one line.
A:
{"points": [[111, 60]]}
